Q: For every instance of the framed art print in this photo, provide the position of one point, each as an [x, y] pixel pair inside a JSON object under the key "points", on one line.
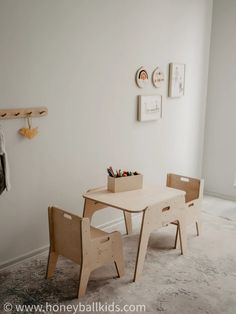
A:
{"points": [[176, 79], [157, 77], [149, 107], [142, 77]]}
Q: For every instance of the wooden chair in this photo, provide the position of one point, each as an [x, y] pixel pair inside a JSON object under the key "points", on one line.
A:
{"points": [[193, 198], [74, 238]]}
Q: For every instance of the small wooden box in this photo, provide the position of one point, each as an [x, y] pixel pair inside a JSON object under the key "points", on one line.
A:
{"points": [[122, 184]]}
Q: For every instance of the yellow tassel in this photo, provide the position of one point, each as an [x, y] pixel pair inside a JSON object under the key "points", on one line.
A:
{"points": [[28, 132]]}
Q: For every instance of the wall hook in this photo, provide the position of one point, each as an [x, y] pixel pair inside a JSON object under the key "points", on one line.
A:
{"points": [[23, 112]]}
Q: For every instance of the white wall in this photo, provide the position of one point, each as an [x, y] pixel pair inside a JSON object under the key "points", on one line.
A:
{"points": [[79, 58], [220, 148]]}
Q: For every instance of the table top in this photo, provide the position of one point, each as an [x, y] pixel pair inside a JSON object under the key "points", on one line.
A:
{"points": [[133, 201]]}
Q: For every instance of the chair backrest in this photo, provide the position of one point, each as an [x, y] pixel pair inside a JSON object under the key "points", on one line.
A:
{"points": [[192, 186], [67, 232]]}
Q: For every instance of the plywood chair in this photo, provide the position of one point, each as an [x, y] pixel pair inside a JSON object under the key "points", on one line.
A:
{"points": [[74, 238], [193, 198]]}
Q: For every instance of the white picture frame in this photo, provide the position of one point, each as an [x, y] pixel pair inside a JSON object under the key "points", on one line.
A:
{"points": [[176, 80], [149, 107]]}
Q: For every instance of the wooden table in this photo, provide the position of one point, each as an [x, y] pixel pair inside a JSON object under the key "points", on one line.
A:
{"points": [[159, 206]]}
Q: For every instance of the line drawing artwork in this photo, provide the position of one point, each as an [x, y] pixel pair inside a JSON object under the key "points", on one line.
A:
{"points": [[176, 80]]}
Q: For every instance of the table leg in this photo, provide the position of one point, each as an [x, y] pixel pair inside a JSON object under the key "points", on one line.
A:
{"points": [[182, 236], [176, 236], [90, 207], [128, 222], [142, 248]]}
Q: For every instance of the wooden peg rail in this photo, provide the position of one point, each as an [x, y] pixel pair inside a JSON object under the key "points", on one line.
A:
{"points": [[23, 113]]}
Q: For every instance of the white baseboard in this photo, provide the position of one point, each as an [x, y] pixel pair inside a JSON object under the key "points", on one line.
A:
{"points": [[219, 195], [23, 257], [117, 224]]}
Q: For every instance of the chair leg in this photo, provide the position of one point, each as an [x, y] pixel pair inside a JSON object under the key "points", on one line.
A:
{"points": [[117, 252], [120, 266], [51, 266], [128, 222], [198, 227], [176, 236], [83, 280]]}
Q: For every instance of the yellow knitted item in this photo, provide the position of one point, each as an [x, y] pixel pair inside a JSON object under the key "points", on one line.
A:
{"points": [[28, 132]]}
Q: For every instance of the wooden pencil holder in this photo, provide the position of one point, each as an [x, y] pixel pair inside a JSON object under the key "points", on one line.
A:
{"points": [[122, 184]]}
